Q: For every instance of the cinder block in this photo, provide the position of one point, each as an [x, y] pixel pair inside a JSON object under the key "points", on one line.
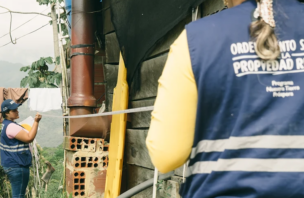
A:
{"points": [[82, 160], [86, 166], [85, 183], [76, 183], [84, 144]]}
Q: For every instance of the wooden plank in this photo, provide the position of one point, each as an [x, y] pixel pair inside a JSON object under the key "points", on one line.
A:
{"points": [[150, 72], [179, 171], [164, 44], [111, 72], [99, 93], [136, 150], [138, 175], [112, 48], [98, 73], [105, 4], [177, 179], [107, 23], [212, 6], [109, 102], [171, 189], [142, 119]]}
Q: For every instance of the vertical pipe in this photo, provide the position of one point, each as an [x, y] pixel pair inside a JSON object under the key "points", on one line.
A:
{"points": [[82, 100], [155, 183], [82, 58]]}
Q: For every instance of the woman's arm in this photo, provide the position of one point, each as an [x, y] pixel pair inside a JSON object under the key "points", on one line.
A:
{"points": [[171, 133], [23, 136]]}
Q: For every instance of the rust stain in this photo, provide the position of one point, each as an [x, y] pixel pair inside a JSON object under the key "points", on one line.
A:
{"points": [[99, 182]]}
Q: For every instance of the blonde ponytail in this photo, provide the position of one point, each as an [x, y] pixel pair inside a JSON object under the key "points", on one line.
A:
{"points": [[262, 31]]}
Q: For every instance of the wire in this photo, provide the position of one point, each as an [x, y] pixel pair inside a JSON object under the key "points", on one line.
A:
{"points": [[100, 97], [22, 24], [11, 16], [25, 34], [10, 30]]}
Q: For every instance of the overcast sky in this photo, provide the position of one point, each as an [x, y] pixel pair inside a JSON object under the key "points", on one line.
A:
{"points": [[29, 48]]}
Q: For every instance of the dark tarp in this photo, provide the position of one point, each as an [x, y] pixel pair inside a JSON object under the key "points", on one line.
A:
{"points": [[139, 24]]}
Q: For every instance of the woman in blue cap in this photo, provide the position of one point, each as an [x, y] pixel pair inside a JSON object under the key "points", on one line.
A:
{"points": [[231, 103], [16, 157]]}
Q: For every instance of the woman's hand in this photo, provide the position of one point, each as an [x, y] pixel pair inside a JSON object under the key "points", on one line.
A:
{"points": [[38, 117]]}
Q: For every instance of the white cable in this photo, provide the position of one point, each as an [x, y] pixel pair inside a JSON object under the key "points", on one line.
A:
{"points": [[135, 110]]}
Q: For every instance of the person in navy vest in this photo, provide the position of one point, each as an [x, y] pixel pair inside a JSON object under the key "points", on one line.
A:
{"points": [[230, 103], [16, 157]]}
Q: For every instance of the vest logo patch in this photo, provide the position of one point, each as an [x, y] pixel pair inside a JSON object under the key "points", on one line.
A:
{"points": [[246, 62], [12, 102]]}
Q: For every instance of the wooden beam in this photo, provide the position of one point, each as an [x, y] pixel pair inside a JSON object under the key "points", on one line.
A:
{"points": [[150, 72], [107, 23], [105, 4], [109, 102], [111, 72], [142, 119], [164, 44], [138, 175], [112, 48], [136, 150]]}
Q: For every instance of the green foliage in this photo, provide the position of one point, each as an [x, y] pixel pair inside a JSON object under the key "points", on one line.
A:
{"points": [[5, 186], [57, 60], [47, 2], [39, 75], [54, 190], [55, 156]]}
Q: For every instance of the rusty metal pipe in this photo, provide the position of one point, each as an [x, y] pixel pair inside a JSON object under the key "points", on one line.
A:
{"points": [[82, 55], [82, 100]]}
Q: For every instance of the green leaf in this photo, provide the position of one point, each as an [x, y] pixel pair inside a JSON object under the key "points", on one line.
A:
{"points": [[49, 60], [41, 62], [30, 72], [63, 15], [24, 82], [64, 29], [50, 79], [58, 78], [25, 69], [33, 67], [57, 60]]}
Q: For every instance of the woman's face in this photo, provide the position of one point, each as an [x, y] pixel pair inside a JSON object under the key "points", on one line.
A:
{"points": [[12, 114]]}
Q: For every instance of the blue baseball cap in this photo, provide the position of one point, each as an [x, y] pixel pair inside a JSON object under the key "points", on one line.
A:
{"points": [[9, 105]]}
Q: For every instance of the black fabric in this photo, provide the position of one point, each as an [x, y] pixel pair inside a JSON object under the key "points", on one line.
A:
{"points": [[139, 24]]}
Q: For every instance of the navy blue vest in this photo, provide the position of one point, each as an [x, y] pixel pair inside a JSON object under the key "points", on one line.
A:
{"points": [[14, 153], [249, 134]]}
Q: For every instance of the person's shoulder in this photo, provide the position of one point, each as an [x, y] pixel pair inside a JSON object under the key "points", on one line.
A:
{"points": [[14, 126], [13, 129]]}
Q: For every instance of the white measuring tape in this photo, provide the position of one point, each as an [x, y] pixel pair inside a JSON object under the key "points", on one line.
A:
{"points": [[135, 110]]}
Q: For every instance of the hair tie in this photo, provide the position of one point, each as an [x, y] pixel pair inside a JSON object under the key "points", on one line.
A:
{"points": [[265, 11]]}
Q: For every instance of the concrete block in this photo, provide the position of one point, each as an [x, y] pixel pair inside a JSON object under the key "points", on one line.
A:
{"points": [[86, 183], [85, 144]]}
